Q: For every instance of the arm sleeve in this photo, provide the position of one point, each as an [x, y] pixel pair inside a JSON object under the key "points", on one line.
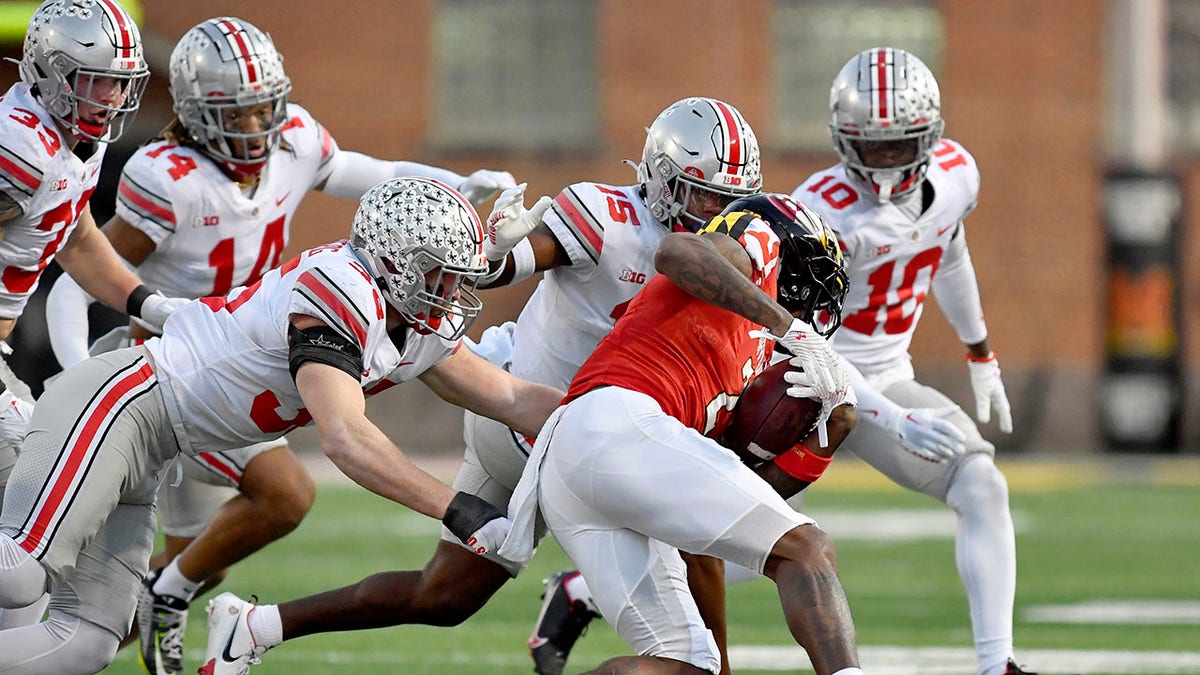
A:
{"points": [[353, 173], [872, 404], [67, 321], [957, 291]]}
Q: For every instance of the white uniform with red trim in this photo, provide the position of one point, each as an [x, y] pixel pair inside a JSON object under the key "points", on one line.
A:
{"points": [[81, 494], [610, 236], [892, 261], [210, 237], [51, 185]]}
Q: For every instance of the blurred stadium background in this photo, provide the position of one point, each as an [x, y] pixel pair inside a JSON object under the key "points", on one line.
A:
{"points": [[1049, 96], [1084, 116]]}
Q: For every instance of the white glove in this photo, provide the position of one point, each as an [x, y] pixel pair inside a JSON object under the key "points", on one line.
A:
{"points": [[822, 378], [157, 308], [510, 222], [14, 419], [989, 392], [483, 185], [488, 538], [476, 523], [926, 433]]}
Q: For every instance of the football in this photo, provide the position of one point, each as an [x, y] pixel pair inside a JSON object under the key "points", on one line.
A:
{"points": [[766, 421]]}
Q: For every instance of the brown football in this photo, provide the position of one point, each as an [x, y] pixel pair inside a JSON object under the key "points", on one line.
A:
{"points": [[766, 421]]}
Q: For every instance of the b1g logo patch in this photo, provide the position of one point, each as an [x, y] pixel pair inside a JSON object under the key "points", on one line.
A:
{"points": [[633, 277]]}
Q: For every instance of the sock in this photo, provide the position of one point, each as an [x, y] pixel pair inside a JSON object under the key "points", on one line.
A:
{"points": [[266, 627], [577, 589], [172, 582], [849, 671]]}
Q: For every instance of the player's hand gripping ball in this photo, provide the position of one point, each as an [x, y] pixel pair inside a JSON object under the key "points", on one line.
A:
{"points": [[766, 421]]}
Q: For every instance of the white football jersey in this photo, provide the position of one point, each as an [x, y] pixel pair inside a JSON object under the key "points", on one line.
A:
{"points": [[209, 236], [890, 259], [610, 236], [223, 362], [51, 185]]}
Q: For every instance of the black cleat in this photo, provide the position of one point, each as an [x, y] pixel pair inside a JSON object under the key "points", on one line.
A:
{"points": [[161, 622], [558, 626], [1014, 669]]}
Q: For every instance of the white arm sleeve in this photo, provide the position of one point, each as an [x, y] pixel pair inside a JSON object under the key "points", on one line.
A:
{"points": [[872, 404], [957, 292], [67, 321], [354, 173]]}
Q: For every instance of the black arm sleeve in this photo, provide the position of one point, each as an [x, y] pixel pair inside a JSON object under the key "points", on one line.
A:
{"points": [[323, 344]]}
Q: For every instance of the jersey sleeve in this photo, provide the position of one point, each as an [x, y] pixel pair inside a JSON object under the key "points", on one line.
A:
{"points": [[575, 220], [309, 138], [143, 197], [340, 298], [22, 161]]}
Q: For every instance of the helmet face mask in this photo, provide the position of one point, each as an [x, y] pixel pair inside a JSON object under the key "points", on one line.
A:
{"points": [[700, 154], [423, 243], [230, 92], [885, 120], [812, 281], [85, 59]]}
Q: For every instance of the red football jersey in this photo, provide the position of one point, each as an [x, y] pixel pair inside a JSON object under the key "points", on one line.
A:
{"points": [[694, 359]]}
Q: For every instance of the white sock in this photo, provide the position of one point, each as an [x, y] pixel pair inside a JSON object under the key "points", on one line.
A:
{"points": [[849, 671], [266, 627], [986, 553], [577, 589], [172, 582]]}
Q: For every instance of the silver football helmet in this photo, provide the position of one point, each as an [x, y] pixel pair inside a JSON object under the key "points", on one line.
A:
{"points": [[698, 146], [423, 243], [85, 58], [886, 120], [219, 70]]}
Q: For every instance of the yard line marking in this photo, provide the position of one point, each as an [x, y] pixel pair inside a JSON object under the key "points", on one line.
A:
{"points": [[1118, 612]]}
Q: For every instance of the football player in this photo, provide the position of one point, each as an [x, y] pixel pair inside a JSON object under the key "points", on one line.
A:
{"points": [[304, 344], [897, 200], [207, 207], [82, 74], [635, 439], [596, 243]]}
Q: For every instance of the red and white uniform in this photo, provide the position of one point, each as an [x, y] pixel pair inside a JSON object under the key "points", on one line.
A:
{"points": [[51, 185], [223, 363], [611, 238], [210, 237], [891, 259], [613, 466]]}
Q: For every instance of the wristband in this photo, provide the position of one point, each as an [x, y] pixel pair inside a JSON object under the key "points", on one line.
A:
{"points": [[137, 298], [467, 513], [799, 462], [524, 263]]}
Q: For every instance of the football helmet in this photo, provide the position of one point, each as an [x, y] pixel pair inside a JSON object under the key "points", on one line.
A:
{"points": [[423, 243], [812, 275], [219, 69], [697, 145], [885, 120], [85, 53]]}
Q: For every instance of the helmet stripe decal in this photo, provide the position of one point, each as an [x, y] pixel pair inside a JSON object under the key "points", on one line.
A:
{"points": [[733, 137], [883, 87], [236, 36], [125, 41], [466, 205]]}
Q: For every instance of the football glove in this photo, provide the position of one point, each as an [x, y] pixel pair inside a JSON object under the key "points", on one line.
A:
{"points": [[989, 391], [510, 222], [14, 419], [484, 184], [926, 433], [476, 523], [157, 308]]}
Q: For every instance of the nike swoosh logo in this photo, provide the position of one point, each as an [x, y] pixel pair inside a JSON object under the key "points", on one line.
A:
{"points": [[226, 656], [942, 230], [279, 202]]}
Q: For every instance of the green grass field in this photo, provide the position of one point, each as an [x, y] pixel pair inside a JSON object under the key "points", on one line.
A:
{"points": [[1084, 534]]}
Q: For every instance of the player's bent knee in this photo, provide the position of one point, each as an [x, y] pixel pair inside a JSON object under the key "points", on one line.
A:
{"points": [[979, 483], [22, 578], [84, 648], [806, 545]]}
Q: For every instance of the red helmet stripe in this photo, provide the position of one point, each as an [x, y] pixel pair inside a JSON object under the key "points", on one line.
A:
{"points": [[881, 82], [125, 42], [466, 205], [733, 136], [237, 38]]}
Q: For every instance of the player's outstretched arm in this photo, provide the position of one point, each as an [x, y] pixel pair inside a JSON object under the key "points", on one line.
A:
{"points": [[470, 381]]}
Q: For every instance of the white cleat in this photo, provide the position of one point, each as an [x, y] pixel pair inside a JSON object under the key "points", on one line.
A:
{"points": [[231, 648]]}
